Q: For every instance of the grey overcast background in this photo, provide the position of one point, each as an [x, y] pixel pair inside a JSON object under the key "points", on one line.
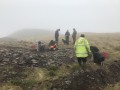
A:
{"points": [[84, 15]]}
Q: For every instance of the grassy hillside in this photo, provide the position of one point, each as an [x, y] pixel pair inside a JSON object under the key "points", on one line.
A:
{"points": [[36, 78]]}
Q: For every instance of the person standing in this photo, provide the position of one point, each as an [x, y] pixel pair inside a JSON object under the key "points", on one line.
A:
{"points": [[82, 50], [67, 34], [74, 35], [57, 36]]}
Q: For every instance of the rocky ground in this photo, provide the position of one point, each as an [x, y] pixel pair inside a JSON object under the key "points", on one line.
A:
{"points": [[29, 57], [16, 62]]}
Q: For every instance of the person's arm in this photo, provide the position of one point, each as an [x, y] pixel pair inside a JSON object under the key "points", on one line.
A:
{"points": [[88, 46]]}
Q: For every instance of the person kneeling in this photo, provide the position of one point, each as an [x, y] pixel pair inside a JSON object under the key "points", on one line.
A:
{"points": [[98, 57], [52, 45]]}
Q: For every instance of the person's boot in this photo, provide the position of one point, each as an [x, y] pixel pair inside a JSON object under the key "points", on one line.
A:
{"points": [[84, 66]]}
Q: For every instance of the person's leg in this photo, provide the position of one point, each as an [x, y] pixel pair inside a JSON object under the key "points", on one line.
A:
{"points": [[68, 40], [84, 60], [79, 61], [73, 40], [43, 48], [56, 40]]}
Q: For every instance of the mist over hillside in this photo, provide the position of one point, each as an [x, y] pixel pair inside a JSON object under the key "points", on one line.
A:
{"points": [[47, 35], [7, 39], [32, 34]]}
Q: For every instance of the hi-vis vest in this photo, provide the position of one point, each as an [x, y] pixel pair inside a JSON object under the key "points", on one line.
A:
{"points": [[80, 47]]}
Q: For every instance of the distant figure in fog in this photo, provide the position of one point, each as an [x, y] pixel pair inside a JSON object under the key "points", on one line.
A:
{"points": [[74, 35], [57, 36], [67, 34]]}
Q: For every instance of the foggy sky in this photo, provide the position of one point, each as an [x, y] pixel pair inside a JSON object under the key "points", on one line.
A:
{"points": [[84, 15]]}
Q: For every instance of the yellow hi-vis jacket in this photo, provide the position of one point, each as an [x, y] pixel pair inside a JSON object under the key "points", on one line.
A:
{"points": [[82, 47]]}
